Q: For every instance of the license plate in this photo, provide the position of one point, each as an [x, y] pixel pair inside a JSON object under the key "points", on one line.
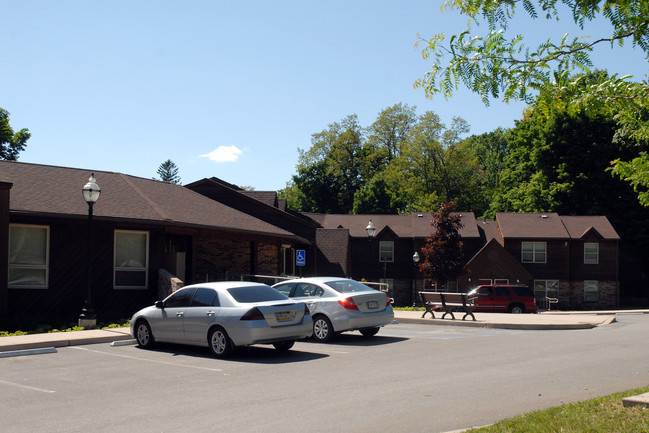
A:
{"points": [[284, 316], [372, 305]]}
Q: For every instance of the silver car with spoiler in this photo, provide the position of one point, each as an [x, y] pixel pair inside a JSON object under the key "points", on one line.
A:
{"points": [[222, 316], [340, 304]]}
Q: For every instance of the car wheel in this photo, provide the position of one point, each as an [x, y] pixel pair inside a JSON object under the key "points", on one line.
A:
{"points": [[516, 309], [143, 334], [220, 344], [283, 346], [370, 332], [322, 329]]}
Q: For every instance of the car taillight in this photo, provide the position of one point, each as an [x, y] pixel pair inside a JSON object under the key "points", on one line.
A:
{"points": [[389, 301], [307, 312], [253, 314], [348, 303]]}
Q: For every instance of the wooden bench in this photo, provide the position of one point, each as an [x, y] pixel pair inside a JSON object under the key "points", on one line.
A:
{"points": [[448, 302]]}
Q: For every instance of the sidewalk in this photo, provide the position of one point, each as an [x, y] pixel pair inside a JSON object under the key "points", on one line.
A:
{"points": [[24, 344], [540, 321], [11, 346]]}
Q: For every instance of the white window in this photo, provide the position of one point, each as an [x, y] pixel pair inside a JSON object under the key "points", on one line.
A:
{"points": [[533, 252], [386, 251], [546, 288], [29, 247], [131, 269], [591, 253], [591, 291]]}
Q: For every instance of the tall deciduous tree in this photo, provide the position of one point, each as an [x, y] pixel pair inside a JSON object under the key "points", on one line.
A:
{"points": [[498, 65], [168, 172], [442, 253], [11, 143], [390, 130], [434, 166]]}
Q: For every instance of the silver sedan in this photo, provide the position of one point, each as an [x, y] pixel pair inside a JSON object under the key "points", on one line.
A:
{"points": [[340, 304], [222, 316]]}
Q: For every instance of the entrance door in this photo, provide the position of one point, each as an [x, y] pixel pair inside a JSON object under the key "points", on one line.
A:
{"points": [[546, 292]]}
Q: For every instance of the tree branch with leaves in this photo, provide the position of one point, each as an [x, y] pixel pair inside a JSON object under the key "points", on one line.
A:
{"points": [[495, 65]]}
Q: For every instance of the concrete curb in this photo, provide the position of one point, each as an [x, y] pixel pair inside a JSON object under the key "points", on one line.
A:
{"points": [[63, 339], [637, 400], [482, 324]]}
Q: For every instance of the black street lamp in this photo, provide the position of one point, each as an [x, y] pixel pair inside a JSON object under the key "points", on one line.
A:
{"points": [[91, 192], [370, 230], [415, 261]]}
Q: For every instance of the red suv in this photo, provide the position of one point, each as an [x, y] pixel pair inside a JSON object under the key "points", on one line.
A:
{"points": [[500, 297]]}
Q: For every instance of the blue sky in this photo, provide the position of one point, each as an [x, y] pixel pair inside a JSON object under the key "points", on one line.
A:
{"points": [[225, 89]]}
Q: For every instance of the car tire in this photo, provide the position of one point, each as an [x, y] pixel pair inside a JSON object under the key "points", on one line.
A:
{"points": [[370, 332], [143, 334], [516, 309], [284, 346], [219, 342], [323, 331]]}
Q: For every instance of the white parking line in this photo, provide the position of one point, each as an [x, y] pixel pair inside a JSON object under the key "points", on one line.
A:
{"points": [[31, 388], [147, 360]]}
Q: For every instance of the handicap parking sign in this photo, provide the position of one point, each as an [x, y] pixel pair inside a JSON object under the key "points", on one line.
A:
{"points": [[300, 257]]}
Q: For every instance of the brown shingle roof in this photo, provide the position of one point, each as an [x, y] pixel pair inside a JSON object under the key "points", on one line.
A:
{"points": [[404, 226], [531, 225], [578, 226], [57, 191]]}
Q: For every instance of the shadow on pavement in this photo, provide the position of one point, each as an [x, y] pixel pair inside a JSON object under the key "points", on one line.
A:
{"points": [[260, 354]]}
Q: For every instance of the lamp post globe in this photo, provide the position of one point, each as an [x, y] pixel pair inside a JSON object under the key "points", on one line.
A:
{"points": [[91, 193], [370, 229]]}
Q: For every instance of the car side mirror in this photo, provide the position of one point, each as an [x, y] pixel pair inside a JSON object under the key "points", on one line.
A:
{"points": [[159, 304]]}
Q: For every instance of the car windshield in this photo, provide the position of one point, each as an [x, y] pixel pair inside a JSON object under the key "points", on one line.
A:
{"points": [[249, 294], [348, 286]]}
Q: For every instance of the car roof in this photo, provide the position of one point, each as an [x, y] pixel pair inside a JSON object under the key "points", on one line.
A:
{"points": [[225, 284], [315, 280]]}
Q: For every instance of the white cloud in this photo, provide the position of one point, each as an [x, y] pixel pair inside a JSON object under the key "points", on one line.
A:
{"points": [[224, 154]]}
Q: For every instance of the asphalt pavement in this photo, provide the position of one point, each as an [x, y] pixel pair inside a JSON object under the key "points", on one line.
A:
{"points": [[27, 344], [48, 342]]}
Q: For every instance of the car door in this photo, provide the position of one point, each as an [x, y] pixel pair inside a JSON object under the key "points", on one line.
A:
{"points": [[201, 313], [168, 326], [310, 294], [486, 300], [503, 298]]}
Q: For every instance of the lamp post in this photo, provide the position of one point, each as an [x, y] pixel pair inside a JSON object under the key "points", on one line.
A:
{"points": [[415, 260], [370, 230], [91, 192]]}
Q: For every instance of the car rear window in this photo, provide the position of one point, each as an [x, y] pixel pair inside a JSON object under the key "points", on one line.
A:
{"points": [[523, 291], [348, 286], [249, 294]]}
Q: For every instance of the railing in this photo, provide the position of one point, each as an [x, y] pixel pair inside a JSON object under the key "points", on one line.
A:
{"points": [[382, 287], [228, 276], [551, 301]]}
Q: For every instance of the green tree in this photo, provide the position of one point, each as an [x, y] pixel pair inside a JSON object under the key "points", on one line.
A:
{"points": [[391, 129], [316, 189], [491, 149], [495, 65], [434, 166], [11, 143], [375, 197], [335, 167], [443, 259], [168, 172]]}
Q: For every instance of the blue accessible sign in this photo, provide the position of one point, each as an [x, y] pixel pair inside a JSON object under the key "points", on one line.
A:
{"points": [[300, 258]]}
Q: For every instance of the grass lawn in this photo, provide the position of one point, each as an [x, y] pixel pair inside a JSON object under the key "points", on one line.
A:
{"points": [[602, 414]]}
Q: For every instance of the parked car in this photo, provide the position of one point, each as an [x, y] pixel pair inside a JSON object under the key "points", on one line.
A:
{"points": [[222, 316], [505, 298], [340, 304]]}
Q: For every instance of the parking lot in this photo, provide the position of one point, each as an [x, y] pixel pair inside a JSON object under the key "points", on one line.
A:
{"points": [[410, 377]]}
